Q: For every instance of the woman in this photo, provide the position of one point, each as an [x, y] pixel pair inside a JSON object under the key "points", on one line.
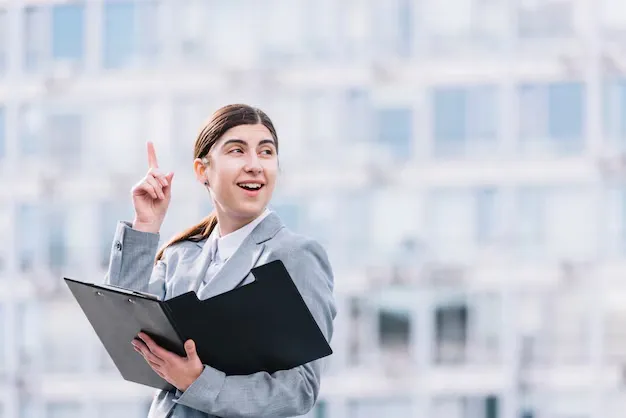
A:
{"points": [[236, 159]]}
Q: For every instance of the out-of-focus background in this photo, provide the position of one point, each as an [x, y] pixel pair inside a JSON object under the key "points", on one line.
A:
{"points": [[461, 160]]}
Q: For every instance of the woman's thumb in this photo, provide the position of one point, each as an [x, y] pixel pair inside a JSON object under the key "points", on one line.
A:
{"points": [[169, 177], [190, 349]]}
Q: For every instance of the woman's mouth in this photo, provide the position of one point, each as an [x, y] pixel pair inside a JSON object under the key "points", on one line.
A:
{"points": [[251, 189]]}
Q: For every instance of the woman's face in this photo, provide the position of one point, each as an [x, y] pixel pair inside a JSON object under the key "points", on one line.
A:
{"points": [[241, 171]]}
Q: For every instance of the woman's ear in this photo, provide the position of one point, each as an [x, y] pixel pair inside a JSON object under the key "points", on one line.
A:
{"points": [[200, 170]]}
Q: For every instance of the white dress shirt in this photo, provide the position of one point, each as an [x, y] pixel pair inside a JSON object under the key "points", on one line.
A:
{"points": [[223, 247]]}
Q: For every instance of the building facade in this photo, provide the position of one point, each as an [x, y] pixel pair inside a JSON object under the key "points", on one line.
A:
{"points": [[460, 160]]}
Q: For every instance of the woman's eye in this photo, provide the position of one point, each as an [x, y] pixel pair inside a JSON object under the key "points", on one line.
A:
{"points": [[268, 152], [236, 150]]}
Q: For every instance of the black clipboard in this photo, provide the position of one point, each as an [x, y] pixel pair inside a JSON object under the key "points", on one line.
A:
{"points": [[262, 326]]}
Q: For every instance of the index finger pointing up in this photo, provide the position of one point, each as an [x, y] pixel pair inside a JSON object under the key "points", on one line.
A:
{"points": [[152, 159]]}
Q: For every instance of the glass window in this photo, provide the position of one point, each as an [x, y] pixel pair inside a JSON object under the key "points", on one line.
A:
{"points": [[395, 131], [282, 30], [552, 117], [110, 213], [119, 43], [132, 32], [322, 28], [541, 19], [357, 116], [615, 221], [31, 125], [556, 222], [57, 246], [6, 226], [450, 221], [68, 31], [289, 213], [4, 40], [370, 408], [614, 112], [63, 355], [118, 127], [613, 18], [35, 39], [3, 132], [60, 409], [28, 235], [3, 337], [530, 220], [65, 139], [393, 31], [487, 216], [121, 409], [27, 338], [191, 27], [464, 120]]}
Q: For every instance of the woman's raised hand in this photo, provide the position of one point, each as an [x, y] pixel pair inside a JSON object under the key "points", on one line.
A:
{"points": [[151, 196]]}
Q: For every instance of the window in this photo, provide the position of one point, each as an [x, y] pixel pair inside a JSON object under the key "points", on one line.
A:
{"points": [[460, 220], [4, 337], [28, 333], [121, 409], [53, 34], [31, 125], [132, 33], [59, 409], [6, 226], [322, 29], [545, 19], [614, 112], [454, 25], [28, 235], [4, 41], [615, 221], [357, 117], [451, 334], [188, 120], [465, 120], [34, 38], [282, 30], [395, 131], [556, 222], [191, 27], [3, 132], [57, 245], [487, 215], [110, 213], [289, 214], [393, 31], [552, 118], [380, 407], [613, 18], [68, 29], [63, 355], [118, 127], [65, 139]]}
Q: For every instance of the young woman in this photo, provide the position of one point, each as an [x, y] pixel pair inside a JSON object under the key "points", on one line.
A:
{"points": [[236, 159]]}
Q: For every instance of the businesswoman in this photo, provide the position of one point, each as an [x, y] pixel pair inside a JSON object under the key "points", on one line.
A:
{"points": [[236, 159]]}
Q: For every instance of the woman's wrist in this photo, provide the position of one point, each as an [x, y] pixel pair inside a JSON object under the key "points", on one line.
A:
{"points": [[152, 228]]}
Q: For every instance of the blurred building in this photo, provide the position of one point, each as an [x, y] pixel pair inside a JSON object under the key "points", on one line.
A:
{"points": [[460, 160]]}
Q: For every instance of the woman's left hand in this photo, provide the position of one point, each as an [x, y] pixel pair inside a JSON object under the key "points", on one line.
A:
{"points": [[180, 372]]}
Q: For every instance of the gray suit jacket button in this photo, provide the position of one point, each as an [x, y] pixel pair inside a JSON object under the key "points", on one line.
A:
{"points": [[118, 246]]}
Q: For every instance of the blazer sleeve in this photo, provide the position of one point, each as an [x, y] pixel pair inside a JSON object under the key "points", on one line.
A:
{"points": [[131, 264], [285, 393]]}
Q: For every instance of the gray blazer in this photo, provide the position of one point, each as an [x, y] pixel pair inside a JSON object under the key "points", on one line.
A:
{"points": [[285, 393]]}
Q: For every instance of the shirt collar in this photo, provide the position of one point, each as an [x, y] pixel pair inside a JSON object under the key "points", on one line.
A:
{"points": [[228, 244]]}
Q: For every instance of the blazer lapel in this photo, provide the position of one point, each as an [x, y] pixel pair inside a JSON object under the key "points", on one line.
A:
{"points": [[238, 266]]}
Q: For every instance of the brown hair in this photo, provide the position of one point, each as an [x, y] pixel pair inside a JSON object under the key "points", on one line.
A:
{"points": [[221, 121]]}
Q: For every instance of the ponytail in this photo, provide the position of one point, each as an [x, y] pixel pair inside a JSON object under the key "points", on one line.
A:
{"points": [[195, 233]]}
